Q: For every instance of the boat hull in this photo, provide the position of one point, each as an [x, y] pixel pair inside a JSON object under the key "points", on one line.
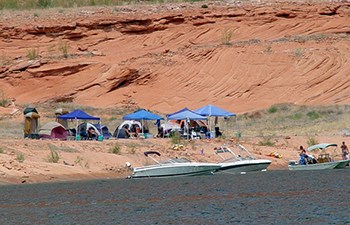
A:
{"points": [[318, 166], [342, 164], [244, 166], [173, 170]]}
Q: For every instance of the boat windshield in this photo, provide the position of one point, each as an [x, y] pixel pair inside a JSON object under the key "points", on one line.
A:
{"points": [[177, 160], [237, 153]]}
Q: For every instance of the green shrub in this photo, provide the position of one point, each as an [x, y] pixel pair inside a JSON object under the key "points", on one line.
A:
{"points": [[44, 3], [92, 3], [272, 109], [296, 116], [115, 149], [8, 4], [1, 151], [204, 6], [20, 157], [313, 115], [33, 53], [53, 157], [175, 137]]}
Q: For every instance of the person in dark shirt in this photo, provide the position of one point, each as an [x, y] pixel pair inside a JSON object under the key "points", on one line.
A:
{"points": [[344, 151], [92, 133]]}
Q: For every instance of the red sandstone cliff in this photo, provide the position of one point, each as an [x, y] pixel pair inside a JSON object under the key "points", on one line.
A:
{"points": [[166, 57]]}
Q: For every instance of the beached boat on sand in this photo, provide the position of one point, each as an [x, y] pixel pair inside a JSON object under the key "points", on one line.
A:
{"points": [[173, 167], [241, 161]]}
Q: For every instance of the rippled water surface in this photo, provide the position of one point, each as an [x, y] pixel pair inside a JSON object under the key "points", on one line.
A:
{"points": [[273, 197]]}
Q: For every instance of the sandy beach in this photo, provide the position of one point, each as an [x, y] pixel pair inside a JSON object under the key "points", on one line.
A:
{"points": [[80, 160]]}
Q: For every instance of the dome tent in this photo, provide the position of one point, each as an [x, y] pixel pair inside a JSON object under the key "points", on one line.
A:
{"points": [[53, 130], [77, 115]]}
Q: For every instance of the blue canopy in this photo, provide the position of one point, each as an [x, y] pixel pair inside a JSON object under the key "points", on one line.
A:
{"points": [[142, 115], [211, 110], [185, 114], [170, 114], [78, 114], [322, 146]]}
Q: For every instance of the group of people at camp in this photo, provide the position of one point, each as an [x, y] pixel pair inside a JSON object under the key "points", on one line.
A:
{"points": [[193, 129], [89, 134], [130, 131], [310, 159]]}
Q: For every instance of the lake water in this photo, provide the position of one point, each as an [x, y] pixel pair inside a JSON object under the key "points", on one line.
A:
{"points": [[272, 197]]}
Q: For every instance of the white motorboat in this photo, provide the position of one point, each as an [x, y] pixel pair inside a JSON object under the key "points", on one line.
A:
{"points": [[238, 163], [324, 160], [173, 167]]}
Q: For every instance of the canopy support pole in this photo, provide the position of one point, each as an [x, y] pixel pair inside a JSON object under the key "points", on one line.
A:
{"points": [[76, 128], [142, 128], [188, 128]]}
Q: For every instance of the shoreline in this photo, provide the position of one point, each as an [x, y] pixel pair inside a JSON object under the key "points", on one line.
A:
{"points": [[90, 160], [80, 177]]}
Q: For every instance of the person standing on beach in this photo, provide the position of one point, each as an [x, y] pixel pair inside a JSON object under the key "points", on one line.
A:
{"points": [[303, 156], [344, 151]]}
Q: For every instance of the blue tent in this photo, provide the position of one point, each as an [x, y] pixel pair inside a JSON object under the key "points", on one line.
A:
{"points": [[142, 115], [185, 114], [79, 115], [211, 110]]}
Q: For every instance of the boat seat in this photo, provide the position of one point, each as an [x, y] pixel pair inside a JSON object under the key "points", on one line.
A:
{"points": [[324, 158]]}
